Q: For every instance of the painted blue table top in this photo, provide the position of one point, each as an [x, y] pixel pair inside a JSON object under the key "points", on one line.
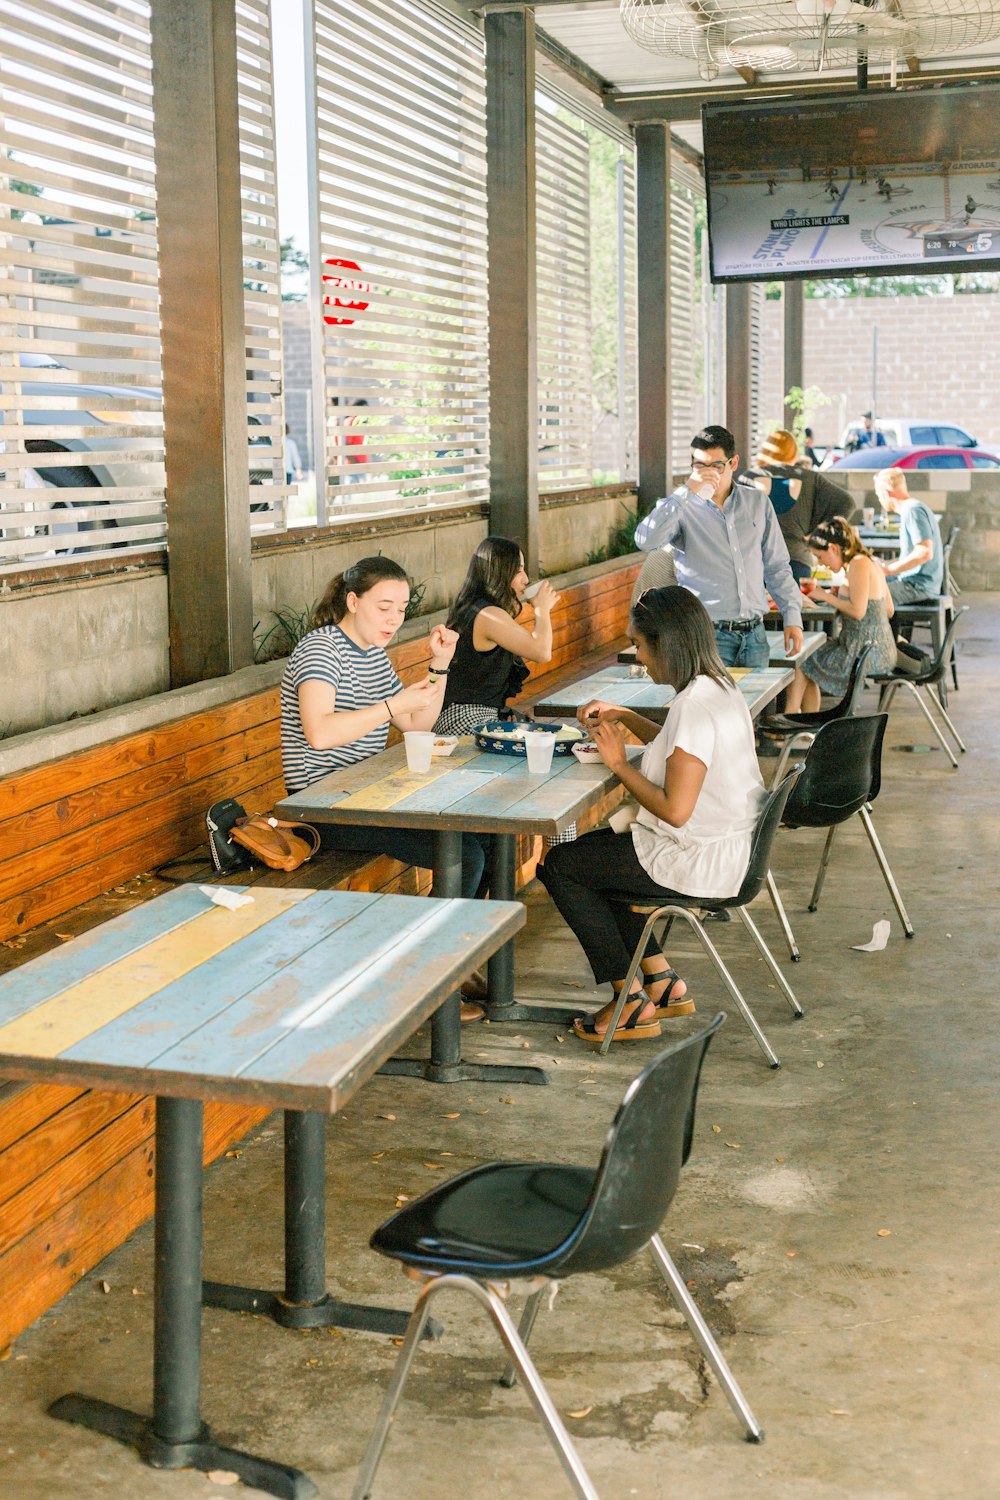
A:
{"points": [[291, 1000]]}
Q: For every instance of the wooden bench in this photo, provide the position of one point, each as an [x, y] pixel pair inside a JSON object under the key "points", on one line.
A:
{"points": [[79, 839]]}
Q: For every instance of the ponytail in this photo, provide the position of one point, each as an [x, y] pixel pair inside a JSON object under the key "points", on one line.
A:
{"points": [[357, 579]]}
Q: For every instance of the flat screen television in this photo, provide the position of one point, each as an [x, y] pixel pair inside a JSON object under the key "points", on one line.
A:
{"points": [[854, 184]]}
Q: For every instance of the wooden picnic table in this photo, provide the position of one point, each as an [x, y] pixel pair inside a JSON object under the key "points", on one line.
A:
{"points": [[469, 791], [759, 686], [292, 1000]]}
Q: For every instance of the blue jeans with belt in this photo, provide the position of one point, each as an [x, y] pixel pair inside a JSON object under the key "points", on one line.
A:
{"points": [[743, 648]]}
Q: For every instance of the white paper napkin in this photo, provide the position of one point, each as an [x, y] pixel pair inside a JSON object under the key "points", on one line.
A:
{"points": [[231, 900], [880, 936]]}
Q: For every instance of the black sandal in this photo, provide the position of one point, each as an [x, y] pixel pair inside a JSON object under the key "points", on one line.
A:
{"points": [[632, 1030], [663, 1008]]}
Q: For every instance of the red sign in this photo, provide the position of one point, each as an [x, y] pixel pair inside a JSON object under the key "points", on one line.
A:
{"points": [[344, 283]]}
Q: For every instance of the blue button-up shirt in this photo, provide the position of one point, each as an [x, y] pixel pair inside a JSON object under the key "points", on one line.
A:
{"points": [[730, 556]]}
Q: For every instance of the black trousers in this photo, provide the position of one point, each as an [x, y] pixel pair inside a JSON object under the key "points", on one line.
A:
{"points": [[580, 876], [412, 846]]}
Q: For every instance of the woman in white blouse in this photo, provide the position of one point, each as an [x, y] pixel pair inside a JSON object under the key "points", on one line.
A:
{"points": [[697, 792]]}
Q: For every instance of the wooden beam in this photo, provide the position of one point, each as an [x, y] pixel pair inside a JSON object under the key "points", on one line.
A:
{"points": [[510, 190], [202, 316], [652, 152]]}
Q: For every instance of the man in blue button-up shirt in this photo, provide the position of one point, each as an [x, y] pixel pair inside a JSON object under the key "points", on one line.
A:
{"points": [[728, 550]]}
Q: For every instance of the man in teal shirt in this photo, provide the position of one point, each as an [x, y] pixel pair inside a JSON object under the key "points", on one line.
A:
{"points": [[917, 573]]}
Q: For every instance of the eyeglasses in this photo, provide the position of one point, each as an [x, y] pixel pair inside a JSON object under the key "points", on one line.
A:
{"points": [[718, 466]]}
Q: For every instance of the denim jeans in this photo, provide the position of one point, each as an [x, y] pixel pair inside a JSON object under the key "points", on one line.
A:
{"points": [[743, 648]]}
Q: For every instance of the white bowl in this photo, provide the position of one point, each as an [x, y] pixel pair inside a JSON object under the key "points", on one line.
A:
{"points": [[444, 744], [587, 753]]}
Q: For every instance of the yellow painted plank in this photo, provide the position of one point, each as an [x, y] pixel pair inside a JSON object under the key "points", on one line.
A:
{"points": [[83, 1008], [392, 789], [738, 673]]}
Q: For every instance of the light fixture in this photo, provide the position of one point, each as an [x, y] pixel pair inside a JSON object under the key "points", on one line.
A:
{"points": [[782, 35]]}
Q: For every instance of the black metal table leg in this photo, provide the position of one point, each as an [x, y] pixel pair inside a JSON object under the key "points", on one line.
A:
{"points": [[445, 1064], [175, 1437], [501, 1005], [306, 1303]]}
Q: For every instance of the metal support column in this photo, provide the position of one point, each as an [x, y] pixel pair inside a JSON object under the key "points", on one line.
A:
{"points": [[510, 181], [738, 381], [793, 305], [200, 230], [652, 185]]}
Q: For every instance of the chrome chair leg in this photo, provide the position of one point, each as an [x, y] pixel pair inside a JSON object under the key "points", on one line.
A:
{"points": [[883, 865], [730, 984], [769, 959], [376, 1443], [886, 696], [540, 1398], [947, 719], [779, 912], [527, 1323], [706, 1343], [821, 872], [933, 723], [800, 741], [633, 970]]}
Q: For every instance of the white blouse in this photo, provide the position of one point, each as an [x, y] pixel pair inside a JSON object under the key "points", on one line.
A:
{"points": [[709, 854]]}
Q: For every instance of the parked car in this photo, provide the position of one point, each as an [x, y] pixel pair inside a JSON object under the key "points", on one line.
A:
{"points": [[918, 458], [143, 470], [913, 432]]}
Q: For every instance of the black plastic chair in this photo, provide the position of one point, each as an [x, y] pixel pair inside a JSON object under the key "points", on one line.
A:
{"points": [[799, 730], [890, 682], [543, 1221], [757, 878], [841, 778]]}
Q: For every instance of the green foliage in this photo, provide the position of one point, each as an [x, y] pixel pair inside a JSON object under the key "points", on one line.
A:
{"points": [[294, 267], [290, 625], [804, 403], [621, 539]]}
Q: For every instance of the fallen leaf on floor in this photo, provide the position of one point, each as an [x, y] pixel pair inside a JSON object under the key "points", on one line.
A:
{"points": [[398, 1343], [385, 1117], [884, 1233], [791, 1254], [525, 1044], [433, 1166], [716, 1129], [378, 1155], [446, 1153], [65, 937], [689, 1245], [402, 1198], [733, 1145], [106, 1285], [821, 1065], [560, 1038], [839, 1412], [222, 1476], [779, 1158], [583, 1412], [508, 1100], [234, 1154], [455, 1116]]}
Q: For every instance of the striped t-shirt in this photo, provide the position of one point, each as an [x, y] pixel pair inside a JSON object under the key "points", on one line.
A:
{"points": [[359, 679]]}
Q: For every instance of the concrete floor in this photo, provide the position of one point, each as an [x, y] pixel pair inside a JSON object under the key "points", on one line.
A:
{"points": [[838, 1221]]}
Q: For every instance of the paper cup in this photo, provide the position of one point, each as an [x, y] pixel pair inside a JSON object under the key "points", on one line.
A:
{"points": [[868, 516], [419, 749], [531, 590], [539, 746]]}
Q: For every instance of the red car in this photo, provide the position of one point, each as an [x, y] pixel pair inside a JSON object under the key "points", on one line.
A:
{"points": [[916, 458]]}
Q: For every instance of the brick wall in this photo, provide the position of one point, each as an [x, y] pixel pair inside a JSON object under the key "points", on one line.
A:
{"points": [[937, 357]]}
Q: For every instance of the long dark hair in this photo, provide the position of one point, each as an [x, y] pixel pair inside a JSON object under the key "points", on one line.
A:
{"points": [[495, 563], [838, 533], [357, 579], [676, 628]]}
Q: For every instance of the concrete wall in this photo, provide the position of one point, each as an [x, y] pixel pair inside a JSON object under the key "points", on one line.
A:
{"points": [[81, 645], [970, 501], [937, 358]]}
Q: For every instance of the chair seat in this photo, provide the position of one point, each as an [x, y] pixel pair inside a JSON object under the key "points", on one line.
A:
{"points": [[794, 723], [499, 1220]]}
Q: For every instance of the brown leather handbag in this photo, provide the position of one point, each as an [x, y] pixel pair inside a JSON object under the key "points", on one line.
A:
{"points": [[282, 846]]}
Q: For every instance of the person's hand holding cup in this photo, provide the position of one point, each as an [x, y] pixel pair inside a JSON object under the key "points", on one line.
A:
{"points": [[807, 585]]}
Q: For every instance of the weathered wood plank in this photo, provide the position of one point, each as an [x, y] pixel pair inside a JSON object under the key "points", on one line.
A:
{"points": [[57, 1137]]}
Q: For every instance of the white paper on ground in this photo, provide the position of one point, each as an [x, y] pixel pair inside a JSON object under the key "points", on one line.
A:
{"points": [[231, 900], [880, 936]]}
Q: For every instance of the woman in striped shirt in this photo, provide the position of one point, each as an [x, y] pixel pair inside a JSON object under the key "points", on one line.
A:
{"points": [[340, 693]]}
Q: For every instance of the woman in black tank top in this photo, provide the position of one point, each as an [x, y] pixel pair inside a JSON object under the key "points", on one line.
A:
{"points": [[489, 665]]}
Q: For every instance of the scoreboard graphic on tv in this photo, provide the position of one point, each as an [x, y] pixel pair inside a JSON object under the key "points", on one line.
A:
{"points": [[856, 185]]}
